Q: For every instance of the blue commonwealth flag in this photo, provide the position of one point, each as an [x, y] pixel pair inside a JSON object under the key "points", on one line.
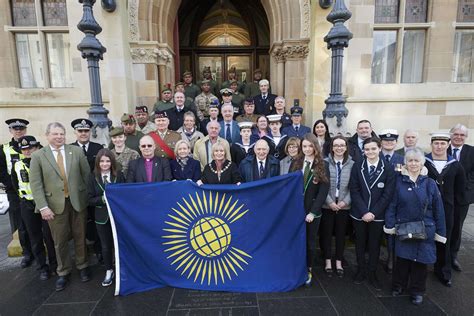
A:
{"points": [[247, 238]]}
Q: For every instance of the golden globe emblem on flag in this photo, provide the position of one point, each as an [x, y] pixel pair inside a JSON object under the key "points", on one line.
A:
{"points": [[199, 238]]}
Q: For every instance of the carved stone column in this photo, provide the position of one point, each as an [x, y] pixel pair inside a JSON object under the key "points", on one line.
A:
{"points": [[280, 60]]}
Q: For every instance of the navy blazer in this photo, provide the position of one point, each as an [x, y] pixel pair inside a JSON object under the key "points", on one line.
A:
{"points": [[192, 170], [466, 159], [395, 160], [291, 132], [235, 131], [137, 173], [377, 197], [249, 170], [266, 106]]}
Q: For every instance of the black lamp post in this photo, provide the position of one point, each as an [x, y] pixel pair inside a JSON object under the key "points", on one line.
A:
{"points": [[92, 50], [337, 39]]}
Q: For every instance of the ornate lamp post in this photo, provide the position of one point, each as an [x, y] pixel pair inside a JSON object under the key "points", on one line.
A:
{"points": [[337, 39], [92, 50]]}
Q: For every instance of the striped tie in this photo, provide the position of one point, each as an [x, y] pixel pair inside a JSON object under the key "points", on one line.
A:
{"points": [[338, 175], [372, 175]]}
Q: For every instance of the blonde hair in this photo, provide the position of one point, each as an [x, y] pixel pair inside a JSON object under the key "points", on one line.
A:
{"points": [[178, 143]]}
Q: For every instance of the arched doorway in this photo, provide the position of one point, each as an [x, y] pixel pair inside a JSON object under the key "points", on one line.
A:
{"points": [[221, 35], [155, 33]]}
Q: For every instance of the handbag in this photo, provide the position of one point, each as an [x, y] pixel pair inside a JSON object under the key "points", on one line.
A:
{"points": [[414, 230]]}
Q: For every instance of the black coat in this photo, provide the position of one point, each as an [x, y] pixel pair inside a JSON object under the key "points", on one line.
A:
{"points": [[5, 176], [467, 161], [238, 153], [264, 106], [177, 118], [161, 170], [451, 182], [277, 151], [315, 194], [192, 170], [377, 197], [249, 170], [91, 153], [95, 191], [231, 174], [354, 150]]}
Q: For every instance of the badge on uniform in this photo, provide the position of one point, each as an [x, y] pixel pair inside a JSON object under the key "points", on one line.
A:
{"points": [[410, 189], [380, 185]]}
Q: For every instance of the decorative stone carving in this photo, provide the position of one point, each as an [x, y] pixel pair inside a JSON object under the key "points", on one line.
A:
{"points": [[150, 55], [133, 20], [278, 54], [305, 8], [295, 51]]}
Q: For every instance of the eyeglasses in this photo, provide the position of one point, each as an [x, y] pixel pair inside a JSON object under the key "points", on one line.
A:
{"points": [[146, 146], [292, 147]]}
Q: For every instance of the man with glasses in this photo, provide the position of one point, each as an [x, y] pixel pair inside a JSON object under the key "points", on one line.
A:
{"points": [[463, 153], [148, 168]]}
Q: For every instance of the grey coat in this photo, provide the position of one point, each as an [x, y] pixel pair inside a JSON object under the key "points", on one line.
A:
{"points": [[344, 192]]}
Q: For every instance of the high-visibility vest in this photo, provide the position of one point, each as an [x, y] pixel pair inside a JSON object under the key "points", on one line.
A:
{"points": [[23, 175], [11, 156]]}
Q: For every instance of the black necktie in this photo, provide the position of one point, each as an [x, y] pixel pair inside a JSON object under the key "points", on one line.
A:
{"points": [[106, 181], [262, 170], [455, 153], [387, 158], [228, 137], [372, 175], [296, 129], [338, 175], [84, 149]]}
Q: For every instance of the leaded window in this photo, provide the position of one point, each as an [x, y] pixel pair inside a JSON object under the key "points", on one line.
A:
{"points": [[386, 11], [415, 11], [465, 11], [463, 56], [54, 12], [24, 13]]}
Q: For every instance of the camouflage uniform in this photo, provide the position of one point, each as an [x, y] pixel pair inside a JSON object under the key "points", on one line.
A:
{"points": [[125, 157]]}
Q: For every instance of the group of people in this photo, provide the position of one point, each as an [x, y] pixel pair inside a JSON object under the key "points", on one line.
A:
{"points": [[360, 184]]}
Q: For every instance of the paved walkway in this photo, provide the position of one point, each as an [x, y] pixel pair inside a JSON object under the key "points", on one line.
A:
{"points": [[21, 293]]}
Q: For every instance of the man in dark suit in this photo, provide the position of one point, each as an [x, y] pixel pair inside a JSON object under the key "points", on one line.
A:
{"points": [[230, 130], [148, 168], [451, 180], [176, 114], [261, 165], [265, 101], [363, 131], [410, 138], [296, 129], [463, 153], [59, 175], [82, 130]]}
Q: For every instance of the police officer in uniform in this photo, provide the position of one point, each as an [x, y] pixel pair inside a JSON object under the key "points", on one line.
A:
{"points": [[9, 154], [38, 229], [82, 130]]}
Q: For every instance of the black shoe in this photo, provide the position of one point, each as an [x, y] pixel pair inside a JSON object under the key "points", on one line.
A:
{"points": [[26, 262], [359, 277], [328, 271], [448, 283], [109, 278], [44, 274], [397, 291], [340, 272], [456, 265], [61, 283], [416, 299], [374, 281], [84, 274]]}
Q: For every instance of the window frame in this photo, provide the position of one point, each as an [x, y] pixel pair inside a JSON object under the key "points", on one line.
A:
{"points": [[400, 28], [42, 32], [459, 26]]}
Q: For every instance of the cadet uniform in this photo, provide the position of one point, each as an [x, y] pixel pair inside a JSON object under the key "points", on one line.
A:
{"points": [[252, 89], [296, 130], [237, 107], [276, 144], [163, 105], [165, 141], [190, 90], [238, 150], [133, 140], [126, 155], [237, 97], [149, 126], [37, 229], [202, 102], [9, 154], [90, 149], [212, 82]]}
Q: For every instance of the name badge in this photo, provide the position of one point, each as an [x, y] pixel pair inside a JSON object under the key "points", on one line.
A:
{"points": [[409, 189], [380, 185]]}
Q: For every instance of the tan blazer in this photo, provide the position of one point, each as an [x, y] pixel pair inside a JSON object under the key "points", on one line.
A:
{"points": [[46, 182], [200, 150]]}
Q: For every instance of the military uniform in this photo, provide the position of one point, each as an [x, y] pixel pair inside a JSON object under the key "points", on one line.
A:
{"points": [[126, 155], [285, 120], [240, 85], [163, 106], [252, 89], [9, 154], [202, 102], [238, 99], [191, 90], [149, 127], [213, 84], [170, 138], [38, 230]]}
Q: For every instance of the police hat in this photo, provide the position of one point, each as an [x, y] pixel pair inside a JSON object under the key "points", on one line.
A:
{"points": [[141, 109], [227, 91], [388, 134], [28, 141], [245, 124], [116, 131], [127, 118], [214, 104], [296, 110], [161, 114], [17, 123], [440, 136], [82, 123], [274, 118]]}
